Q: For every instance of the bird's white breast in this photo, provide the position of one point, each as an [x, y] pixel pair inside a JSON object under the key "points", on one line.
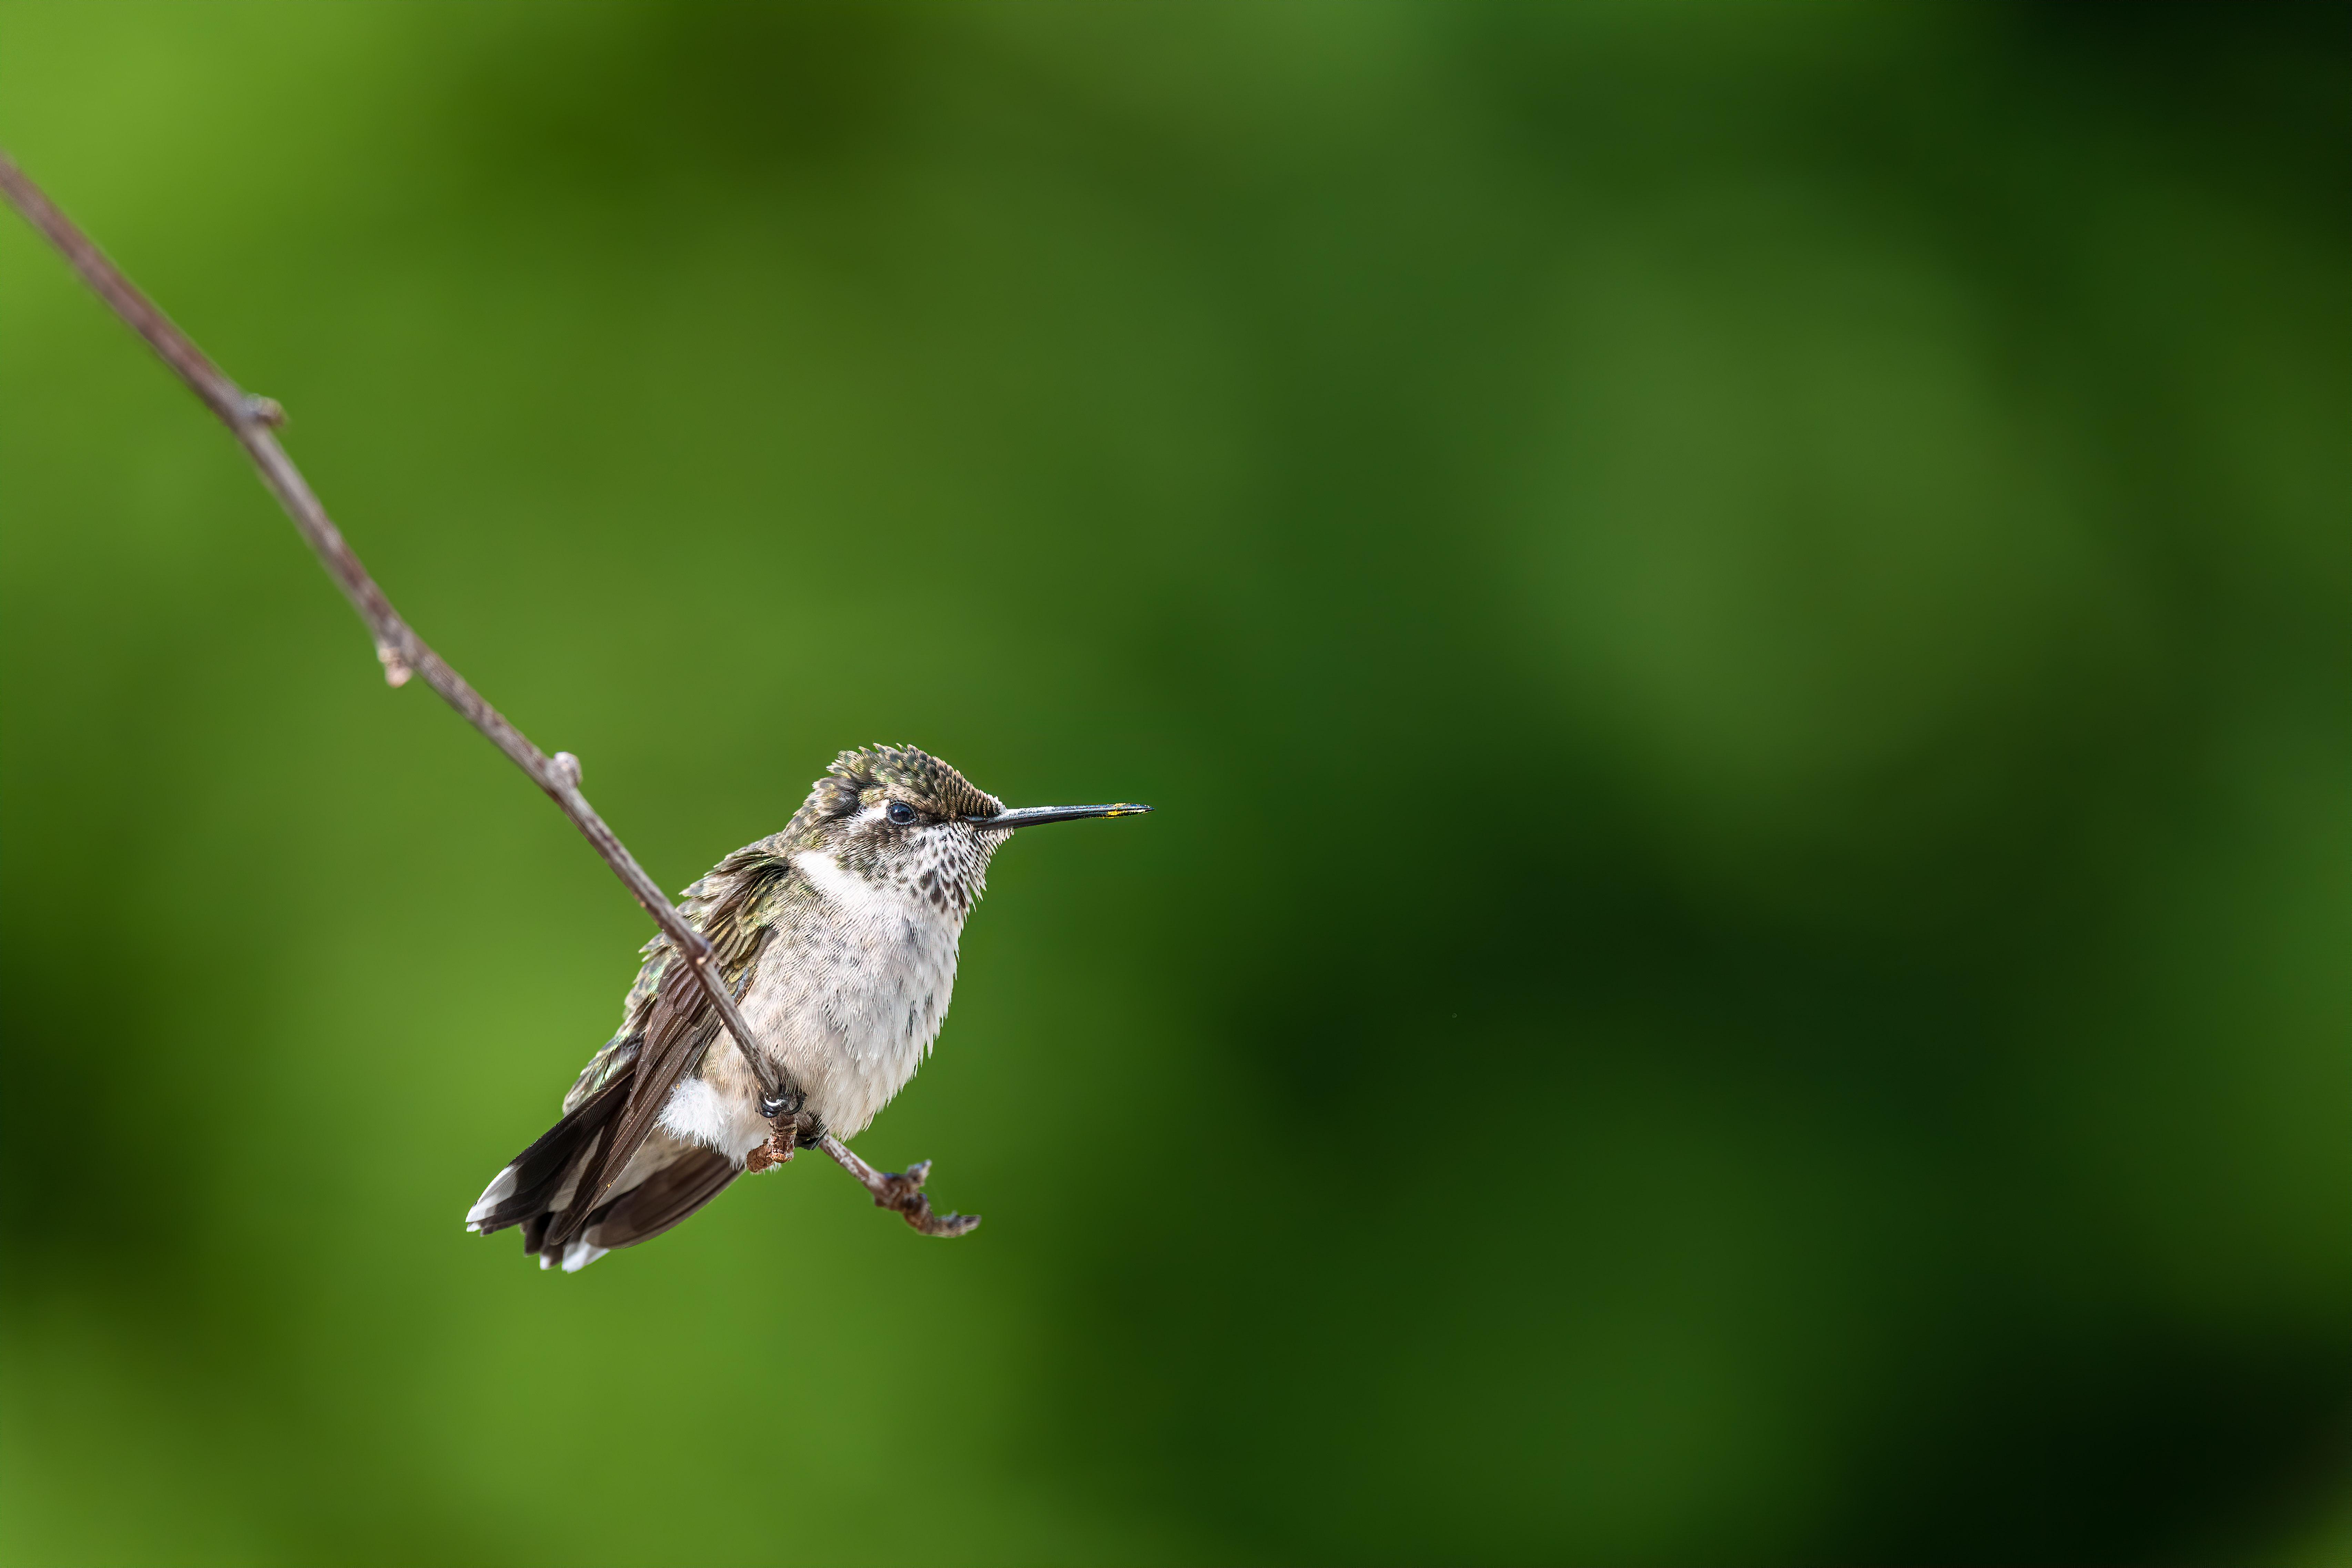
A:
{"points": [[850, 996], [856, 1001]]}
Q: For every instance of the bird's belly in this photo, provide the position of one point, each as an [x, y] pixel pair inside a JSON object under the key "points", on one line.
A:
{"points": [[854, 1013], [718, 1107]]}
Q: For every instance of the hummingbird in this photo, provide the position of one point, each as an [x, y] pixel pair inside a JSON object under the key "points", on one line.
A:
{"points": [[837, 939]]}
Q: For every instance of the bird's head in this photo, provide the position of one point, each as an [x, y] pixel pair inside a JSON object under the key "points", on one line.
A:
{"points": [[894, 815]]}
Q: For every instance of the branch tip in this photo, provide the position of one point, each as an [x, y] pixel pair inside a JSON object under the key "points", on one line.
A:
{"points": [[900, 1191]]}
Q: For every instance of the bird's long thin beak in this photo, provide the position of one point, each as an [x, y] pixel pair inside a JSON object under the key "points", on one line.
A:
{"points": [[1031, 816]]}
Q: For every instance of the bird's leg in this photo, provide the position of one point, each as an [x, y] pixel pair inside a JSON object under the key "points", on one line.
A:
{"points": [[788, 1130], [902, 1193]]}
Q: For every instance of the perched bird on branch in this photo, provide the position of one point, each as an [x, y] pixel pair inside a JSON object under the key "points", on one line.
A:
{"points": [[823, 955], [837, 939]]}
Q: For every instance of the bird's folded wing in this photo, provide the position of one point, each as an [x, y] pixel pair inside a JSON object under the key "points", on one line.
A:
{"points": [[682, 1024]]}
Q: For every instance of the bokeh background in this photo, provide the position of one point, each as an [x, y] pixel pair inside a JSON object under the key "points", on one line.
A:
{"points": [[1738, 616]]}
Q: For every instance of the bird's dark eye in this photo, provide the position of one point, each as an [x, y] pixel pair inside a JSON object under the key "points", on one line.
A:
{"points": [[901, 814]]}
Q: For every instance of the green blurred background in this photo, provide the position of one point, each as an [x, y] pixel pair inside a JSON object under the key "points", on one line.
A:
{"points": [[1738, 616]]}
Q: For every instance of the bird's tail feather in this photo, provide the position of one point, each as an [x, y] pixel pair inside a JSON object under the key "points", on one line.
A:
{"points": [[539, 1186]]}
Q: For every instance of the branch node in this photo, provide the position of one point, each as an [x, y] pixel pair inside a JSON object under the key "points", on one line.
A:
{"points": [[396, 669], [268, 410], [566, 769]]}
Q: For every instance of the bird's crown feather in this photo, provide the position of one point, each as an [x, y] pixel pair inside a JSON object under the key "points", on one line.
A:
{"points": [[904, 772]]}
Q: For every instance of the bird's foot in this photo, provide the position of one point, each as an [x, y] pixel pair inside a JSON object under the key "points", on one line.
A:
{"points": [[901, 1191], [775, 1151], [787, 1132]]}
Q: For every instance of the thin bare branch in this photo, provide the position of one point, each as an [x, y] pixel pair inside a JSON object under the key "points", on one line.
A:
{"points": [[402, 652]]}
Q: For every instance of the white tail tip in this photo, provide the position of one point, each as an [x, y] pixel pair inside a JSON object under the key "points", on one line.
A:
{"points": [[500, 1189]]}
